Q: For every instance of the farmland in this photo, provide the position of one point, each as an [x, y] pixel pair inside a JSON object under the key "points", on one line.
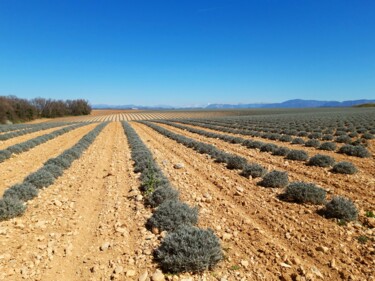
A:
{"points": [[90, 212]]}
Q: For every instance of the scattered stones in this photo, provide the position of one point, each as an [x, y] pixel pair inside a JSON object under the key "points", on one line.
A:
{"points": [[139, 197]]}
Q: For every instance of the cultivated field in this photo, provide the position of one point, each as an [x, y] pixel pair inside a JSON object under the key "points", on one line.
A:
{"points": [[289, 195]]}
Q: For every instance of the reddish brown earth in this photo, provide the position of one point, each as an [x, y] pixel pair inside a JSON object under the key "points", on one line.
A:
{"points": [[89, 225]]}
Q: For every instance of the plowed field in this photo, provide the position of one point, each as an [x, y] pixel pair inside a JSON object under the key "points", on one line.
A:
{"points": [[90, 223]]}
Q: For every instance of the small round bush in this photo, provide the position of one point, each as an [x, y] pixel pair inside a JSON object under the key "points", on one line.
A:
{"points": [[298, 141], [4, 154], [352, 150], [17, 149], [329, 146], [275, 179], [299, 155], [343, 139], [327, 137], [162, 194], [315, 135], [268, 147], [344, 168], [172, 214], [40, 178], [11, 208], [341, 208], [321, 161], [55, 170], [235, 162], [368, 136], [24, 192], [253, 170], [189, 249], [301, 192], [312, 143], [252, 144], [285, 138], [281, 151]]}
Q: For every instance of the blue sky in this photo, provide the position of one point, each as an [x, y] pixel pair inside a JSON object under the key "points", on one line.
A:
{"points": [[187, 52]]}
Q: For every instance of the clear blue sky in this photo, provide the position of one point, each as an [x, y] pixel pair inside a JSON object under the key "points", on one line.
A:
{"points": [[186, 52]]}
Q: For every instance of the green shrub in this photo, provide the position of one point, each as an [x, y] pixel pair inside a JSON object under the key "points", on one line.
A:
{"points": [[298, 141], [341, 208], [172, 214], [4, 154], [55, 170], [11, 208], [189, 249], [235, 162], [281, 151], [352, 150], [24, 192], [275, 179], [285, 138], [162, 194], [321, 161], [343, 139], [268, 147], [312, 143], [40, 178], [301, 192], [329, 146], [254, 170], [344, 168], [299, 155]]}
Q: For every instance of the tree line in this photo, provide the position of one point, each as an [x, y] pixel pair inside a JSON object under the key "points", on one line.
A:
{"points": [[15, 110]]}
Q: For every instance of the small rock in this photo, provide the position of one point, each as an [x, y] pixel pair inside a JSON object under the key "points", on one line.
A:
{"points": [[139, 197], [155, 230], [285, 265], [227, 236], [240, 189], [119, 269], [244, 263], [178, 166], [130, 273], [158, 276], [105, 246], [143, 276], [317, 272], [322, 249], [57, 203]]}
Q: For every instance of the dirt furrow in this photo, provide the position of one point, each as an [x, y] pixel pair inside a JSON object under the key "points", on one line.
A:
{"points": [[84, 226], [356, 187], [367, 164], [16, 168], [12, 141], [252, 214]]}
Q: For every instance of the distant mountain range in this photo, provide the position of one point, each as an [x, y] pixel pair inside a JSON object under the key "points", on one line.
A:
{"points": [[295, 103]]}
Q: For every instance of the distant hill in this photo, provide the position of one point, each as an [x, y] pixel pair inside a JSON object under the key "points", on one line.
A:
{"points": [[295, 103], [365, 105]]}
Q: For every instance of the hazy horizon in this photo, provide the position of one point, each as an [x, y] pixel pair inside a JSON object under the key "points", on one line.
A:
{"points": [[188, 53]]}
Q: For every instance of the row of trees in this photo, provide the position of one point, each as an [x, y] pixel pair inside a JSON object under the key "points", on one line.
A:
{"points": [[13, 109]]}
